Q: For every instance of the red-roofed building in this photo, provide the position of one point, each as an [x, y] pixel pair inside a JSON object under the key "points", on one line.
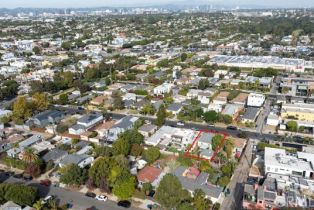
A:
{"points": [[151, 175]]}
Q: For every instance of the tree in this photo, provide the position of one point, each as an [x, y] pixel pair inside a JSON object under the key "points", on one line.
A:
{"points": [[40, 101], [185, 206], [203, 84], [136, 150], [132, 136], [66, 45], [21, 110], [72, 174], [210, 116], [199, 200], [227, 169], [121, 146], [29, 156], [161, 116], [18, 193], [170, 193], [117, 100], [124, 188], [63, 98], [100, 171], [101, 151], [216, 141], [148, 109], [151, 154], [184, 56], [223, 181], [37, 50], [292, 126], [33, 170], [147, 188]]}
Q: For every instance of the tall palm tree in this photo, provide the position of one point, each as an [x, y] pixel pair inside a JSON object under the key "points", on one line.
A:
{"points": [[29, 156]]}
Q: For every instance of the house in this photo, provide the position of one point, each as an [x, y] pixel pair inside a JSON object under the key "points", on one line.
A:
{"points": [[150, 174], [205, 141], [147, 129], [129, 97], [177, 137], [273, 119], [10, 205], [192, 179], [233, 110], [48, 117], [250, 115], [174, 108], [121, 125], [86, 122], [162, 89], [204, 97], [255, 100], [54, 155], [81, 160], [99, 100], [221, 98], [240, 99]]}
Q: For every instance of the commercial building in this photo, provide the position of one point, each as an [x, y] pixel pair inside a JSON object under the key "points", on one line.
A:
{"points": [[281, 162]]}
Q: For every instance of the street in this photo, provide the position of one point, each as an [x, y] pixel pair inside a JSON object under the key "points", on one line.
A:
{"points": [[79, 201], [236, 185]]}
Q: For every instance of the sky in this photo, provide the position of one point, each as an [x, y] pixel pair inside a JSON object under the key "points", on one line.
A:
{"points": [[128, 3]]}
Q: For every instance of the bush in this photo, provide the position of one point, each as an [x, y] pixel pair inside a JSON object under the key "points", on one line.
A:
{"points": [[151, 154]]}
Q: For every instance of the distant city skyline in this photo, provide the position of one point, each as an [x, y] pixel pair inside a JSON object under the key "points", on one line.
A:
{"points": [[139, 3]]}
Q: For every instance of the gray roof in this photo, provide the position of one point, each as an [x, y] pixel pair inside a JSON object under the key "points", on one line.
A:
{"points": [[78, 127], [199, 183], [251, 113], [147, 128], [54, 154], [30, 141], [206, 153], [249, 189], [174, 107], [125, 123], [48, 113], [89, 117], [73, 158], [206, 137]]}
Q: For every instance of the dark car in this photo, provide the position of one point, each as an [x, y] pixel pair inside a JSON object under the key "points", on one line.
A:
{"points": [[90, 194], [230, 127], [18, 176], [125, 204]]}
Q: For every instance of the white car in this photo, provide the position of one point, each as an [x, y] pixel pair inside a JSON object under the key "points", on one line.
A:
{"points": [[46, 199], [180, 123], [101, 198]]}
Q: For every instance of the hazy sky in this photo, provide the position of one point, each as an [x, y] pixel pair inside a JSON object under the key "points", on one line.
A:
{"points": [[96, 3]]}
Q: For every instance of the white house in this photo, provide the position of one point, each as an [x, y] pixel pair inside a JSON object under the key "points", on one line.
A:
{"points": [[255, 100], [162, 89], [280, 162], [90, 120], [81, 160]]}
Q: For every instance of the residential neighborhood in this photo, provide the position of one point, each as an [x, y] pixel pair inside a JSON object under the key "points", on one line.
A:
{"points": [[178, 107]]}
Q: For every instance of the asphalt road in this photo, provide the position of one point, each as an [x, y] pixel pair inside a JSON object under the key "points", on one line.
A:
{"points": [[64, 196], [249, 133], [233, 201]]}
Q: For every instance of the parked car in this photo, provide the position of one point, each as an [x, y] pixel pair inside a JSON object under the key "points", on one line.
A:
{"points": [[90, 194], [27, 177], [231, 127], [47, 199], [125, 204], [180, 123], [101, 198]]}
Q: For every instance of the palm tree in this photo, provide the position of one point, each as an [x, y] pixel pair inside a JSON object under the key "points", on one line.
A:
{"points": [[38, 205], [29, 156]]}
